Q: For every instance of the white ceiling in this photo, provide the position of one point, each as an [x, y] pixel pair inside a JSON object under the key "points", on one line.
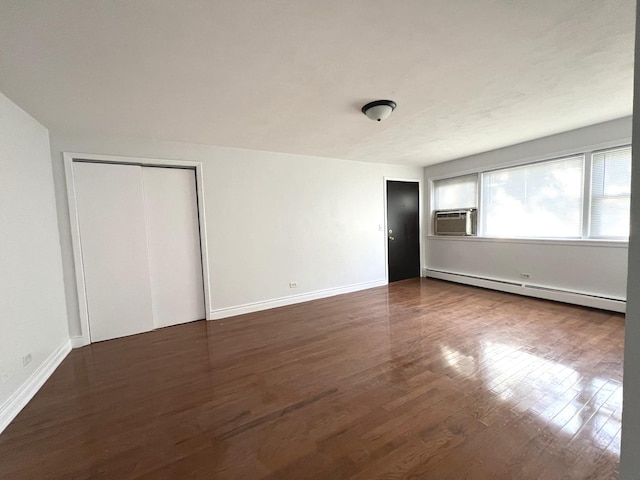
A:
{"points": [[291, 75]]}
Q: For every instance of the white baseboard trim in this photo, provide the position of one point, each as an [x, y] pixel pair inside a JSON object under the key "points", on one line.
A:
{"points": [[281, 302], [77, 342], [531, 290], [16, 402]]}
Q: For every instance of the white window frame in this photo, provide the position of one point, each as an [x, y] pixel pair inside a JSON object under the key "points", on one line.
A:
{"points": [[586, 152], [538, 162], [589, 198]]}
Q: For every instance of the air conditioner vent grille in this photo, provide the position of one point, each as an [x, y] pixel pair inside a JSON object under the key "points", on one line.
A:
{"points": [[456, 222]]}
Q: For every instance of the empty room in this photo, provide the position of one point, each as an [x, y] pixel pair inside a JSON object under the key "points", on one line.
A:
{"points": [[319, 240]]}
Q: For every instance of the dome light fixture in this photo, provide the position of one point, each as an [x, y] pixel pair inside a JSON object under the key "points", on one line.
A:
{"points": [[379, 110]]}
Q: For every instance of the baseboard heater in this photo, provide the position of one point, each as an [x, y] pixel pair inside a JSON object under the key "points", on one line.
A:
{"points": [[532, 290]]}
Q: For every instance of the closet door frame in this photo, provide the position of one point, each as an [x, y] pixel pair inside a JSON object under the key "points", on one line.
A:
{"points": [[69, 159]]}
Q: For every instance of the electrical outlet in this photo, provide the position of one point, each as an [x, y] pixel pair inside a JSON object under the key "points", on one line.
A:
{"points": [[293, 284], [26, 360], [525, 275]]}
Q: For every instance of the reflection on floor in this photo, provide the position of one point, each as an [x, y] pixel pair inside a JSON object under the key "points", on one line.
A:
{"points": [[421, 379], [560, 396]]}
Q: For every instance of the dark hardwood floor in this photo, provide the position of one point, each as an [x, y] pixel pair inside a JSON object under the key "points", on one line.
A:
{"points": [[420, 379]]}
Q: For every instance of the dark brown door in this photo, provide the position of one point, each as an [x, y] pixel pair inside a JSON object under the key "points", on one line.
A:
{"points": [[403, 230]]}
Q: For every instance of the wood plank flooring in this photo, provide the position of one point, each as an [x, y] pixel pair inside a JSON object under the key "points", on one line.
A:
{"points": [[422, 379]]}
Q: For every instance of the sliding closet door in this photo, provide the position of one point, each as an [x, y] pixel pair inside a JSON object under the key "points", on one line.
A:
{"points": [[173, 236], [114, 249]]}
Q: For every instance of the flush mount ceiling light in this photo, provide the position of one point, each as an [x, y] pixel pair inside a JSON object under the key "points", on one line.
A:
{"points": [[379, 110]]}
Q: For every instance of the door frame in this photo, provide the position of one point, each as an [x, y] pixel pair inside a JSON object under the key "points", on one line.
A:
{"points": [[419, 181], [69, 159]]}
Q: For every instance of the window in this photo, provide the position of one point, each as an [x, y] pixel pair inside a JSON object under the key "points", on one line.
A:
{"points": [[537, 200], [582, 196], [610, 193], [456, 192]]}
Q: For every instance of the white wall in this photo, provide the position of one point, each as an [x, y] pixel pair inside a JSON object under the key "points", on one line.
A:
{"points": [[33, 318], [271, 219], [629, 458], [592, 268]]}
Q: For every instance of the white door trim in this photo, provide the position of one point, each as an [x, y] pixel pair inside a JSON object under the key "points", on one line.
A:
{"points": [[69, 159], [420, 223]]}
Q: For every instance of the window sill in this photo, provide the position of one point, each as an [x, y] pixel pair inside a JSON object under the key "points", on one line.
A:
{"points": [[578, 242]]}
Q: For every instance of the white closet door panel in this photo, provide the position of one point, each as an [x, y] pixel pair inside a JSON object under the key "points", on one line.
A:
{"points": [[114, 249], [174, 245]]}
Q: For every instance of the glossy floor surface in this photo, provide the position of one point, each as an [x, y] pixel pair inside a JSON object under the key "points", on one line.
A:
{"points": [[421, 379]]}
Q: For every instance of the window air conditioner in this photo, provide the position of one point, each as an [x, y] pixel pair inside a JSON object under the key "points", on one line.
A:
{"points": [[456, 222]]}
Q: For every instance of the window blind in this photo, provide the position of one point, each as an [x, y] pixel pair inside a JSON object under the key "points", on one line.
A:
{"points": [[456, 192], [610, 193], [541, 200]]}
